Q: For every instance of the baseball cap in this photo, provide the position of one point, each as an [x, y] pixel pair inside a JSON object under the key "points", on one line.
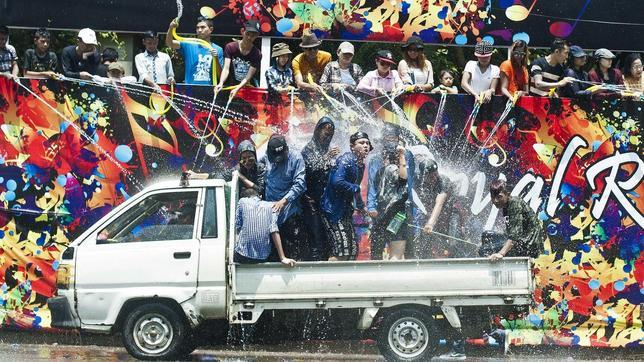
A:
{"points": [[577, 52], [149, 35], [252, 25], [88, 36], [604, 53], [358, 135], [346, 47], [116, 66], [277, 149], [414, 42], [483, 49], [385, 56]]}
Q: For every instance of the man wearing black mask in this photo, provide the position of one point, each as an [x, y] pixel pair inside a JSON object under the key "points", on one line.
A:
{"points": [[318, 159]]}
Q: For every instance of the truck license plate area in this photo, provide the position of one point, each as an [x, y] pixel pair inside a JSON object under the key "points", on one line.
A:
{"points": [[503, 278]]}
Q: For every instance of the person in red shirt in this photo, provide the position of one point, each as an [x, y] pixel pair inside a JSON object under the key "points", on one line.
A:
{"points": [[604, 73], [514, 71]]}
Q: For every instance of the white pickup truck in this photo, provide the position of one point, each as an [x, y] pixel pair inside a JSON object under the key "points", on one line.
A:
{"points": [[160, 264]]}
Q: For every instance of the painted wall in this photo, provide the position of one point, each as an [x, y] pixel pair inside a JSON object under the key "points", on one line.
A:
{"points": [[614, 24], [74, 150]]}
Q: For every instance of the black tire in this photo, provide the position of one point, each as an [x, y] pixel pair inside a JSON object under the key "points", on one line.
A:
{"points": [[155, 332], [408, 334]]}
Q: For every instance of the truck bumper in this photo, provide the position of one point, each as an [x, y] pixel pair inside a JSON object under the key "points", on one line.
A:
{"points": [[61, 313]]}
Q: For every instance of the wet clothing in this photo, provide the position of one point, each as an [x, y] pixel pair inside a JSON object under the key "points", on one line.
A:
{"points": [[549, 73], [342, 237], [285, 180], [240, 64], [255, 221], [73, 64], [198, 62], [317, 165], [35, 63], [343, 189], [576, 89], [256, 175], [373, 190], [524, 228]]}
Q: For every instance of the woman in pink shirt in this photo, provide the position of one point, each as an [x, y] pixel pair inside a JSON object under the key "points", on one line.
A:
{"points": [[383, 79]]}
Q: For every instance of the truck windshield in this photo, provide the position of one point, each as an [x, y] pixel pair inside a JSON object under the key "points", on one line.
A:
{"points": [[166, 216]]}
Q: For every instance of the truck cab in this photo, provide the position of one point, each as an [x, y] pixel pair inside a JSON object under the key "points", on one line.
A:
{"points": [[160, 264]]}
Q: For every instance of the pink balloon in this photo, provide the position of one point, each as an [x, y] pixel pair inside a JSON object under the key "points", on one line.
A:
{"points": [[561, 29]]}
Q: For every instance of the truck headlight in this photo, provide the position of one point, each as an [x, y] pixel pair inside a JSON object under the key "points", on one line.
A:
{"points": [[64, 276]]}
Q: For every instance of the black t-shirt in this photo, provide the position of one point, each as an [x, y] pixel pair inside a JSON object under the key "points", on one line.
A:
{"points": [[549, 73], [35, 63], [74, 64]]}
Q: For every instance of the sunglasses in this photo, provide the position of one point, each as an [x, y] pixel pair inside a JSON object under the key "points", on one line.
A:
{"points": [[310, 49], [519, 53], [415, 49]]}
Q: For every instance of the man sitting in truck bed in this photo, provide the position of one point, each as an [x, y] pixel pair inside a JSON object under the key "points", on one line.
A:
{"points": [[256, 224]]}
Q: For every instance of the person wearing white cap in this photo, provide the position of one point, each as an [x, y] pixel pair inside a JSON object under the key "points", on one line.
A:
{"points": [[81, 60], [342, 74], [604, 73]]}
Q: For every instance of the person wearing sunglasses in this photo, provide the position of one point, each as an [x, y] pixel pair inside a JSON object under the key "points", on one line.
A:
{"points": [[415, 69], [311, 61], [514, 71]]}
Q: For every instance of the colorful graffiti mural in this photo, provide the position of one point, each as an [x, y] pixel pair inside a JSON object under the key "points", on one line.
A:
{"points": [[437, 21], [70, 151]]}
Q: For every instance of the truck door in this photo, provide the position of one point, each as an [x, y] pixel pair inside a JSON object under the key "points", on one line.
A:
{"points": [[149, 249]]}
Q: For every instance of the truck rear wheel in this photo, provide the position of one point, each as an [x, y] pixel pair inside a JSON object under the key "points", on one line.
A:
{"points": [[408, 334], [155, 332]]}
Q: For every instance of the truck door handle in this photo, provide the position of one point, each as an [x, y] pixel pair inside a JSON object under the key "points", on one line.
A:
{"points": [[182, 255]]}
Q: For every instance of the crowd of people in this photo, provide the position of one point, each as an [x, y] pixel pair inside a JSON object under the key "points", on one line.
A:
{"points": [[565, 71]]}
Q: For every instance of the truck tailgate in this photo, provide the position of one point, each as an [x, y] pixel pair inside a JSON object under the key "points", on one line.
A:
{"points": [[453, 281]]}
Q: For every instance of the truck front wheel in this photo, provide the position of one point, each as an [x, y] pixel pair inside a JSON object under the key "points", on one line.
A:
{"points": [[408, 334], [154, 332]]}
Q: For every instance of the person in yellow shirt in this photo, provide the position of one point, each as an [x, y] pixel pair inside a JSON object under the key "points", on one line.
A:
{"points": [[310, 61]]}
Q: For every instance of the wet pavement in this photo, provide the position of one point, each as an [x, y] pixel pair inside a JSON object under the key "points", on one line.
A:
{"points": [[301, 351]]}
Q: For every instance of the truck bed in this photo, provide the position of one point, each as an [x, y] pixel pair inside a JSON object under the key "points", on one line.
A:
{"points": [[344, 284]]}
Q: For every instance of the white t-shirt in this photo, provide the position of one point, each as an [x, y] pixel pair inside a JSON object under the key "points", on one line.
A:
{"points": [[481, 81]]}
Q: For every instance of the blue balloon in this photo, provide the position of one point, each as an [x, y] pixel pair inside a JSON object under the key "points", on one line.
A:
{"points": [[619, 285], [284, 25], [521, 36], [62, 180], [594, 284], [461, 39], [123, 153], [12, 185], [9, 196], [488, 39]]}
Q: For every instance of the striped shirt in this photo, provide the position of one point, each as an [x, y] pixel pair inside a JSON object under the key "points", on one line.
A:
{"points": [[549, 73], [255, 221]]}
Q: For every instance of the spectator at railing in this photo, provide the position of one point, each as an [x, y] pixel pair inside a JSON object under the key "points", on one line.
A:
{"points": [[244, 58], [310, 62], [197, 58], [8, 55], [415, 69], [279, 77], [154, 67], [109, 55], [383, 79], [342, 74], [480, 77], [548, 72], [81, 60], [632, 72], [40, 62], [604, 73], [446, 85], [576, 63], [514, 71]]}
